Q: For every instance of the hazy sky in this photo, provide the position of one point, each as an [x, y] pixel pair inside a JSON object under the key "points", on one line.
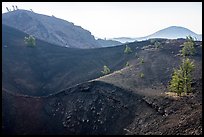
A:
{"points": [[120, 19]]}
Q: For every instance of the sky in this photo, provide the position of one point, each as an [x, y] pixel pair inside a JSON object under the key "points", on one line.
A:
{"points": [[120, 19]]}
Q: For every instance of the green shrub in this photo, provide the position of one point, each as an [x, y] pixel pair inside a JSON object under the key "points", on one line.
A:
{"points": [[190, 39], [188, 47], [157, 44], [141, 61], [127, 50], [141, 75], [106, 70], [29, 41], [127, 64]]}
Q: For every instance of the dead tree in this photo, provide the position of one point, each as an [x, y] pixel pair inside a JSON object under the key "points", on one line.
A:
{"points": [[7, 9], [13, 7]]}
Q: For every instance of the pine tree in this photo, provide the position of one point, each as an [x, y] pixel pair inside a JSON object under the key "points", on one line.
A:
{"points": [[127, 64], [176, 82], [127, 50], [106, 70], [157, 44], [141, 75], [141, 60], [186, 68], [181, 78], [189, 39], [188, 47]]}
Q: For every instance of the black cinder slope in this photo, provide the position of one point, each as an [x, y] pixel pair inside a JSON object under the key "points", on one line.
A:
{"points": [[48, 68], [98, 108], [90, 108], [156, 65]]}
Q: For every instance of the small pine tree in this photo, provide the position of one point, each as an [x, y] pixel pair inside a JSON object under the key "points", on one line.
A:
{"points": [[176, 82], [189, 39], [141, 75], [157, 44], [181, 78], [141, 61], [188, 47], [106, 70], [187, 67], [127, 64], [127, 50], [30, 41]]}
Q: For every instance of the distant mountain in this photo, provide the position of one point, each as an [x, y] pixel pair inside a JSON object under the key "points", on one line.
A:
{"points": [[50, 29], [123, 39], [108, 43], [172, 32]]}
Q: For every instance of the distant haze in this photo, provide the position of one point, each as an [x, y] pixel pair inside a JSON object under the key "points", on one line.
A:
{"points": [[120, 19]]}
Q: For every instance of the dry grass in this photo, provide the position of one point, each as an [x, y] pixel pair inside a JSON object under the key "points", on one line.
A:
{"points": [[173, 94]]}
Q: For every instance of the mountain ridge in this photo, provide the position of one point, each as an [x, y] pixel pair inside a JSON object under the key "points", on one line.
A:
{"points": [[172, 32], [50, 28]]}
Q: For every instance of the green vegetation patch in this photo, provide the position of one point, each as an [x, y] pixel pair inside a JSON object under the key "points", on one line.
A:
{"points": [[188, 47], [127, 50], [30, 41], [181, 78], [106, 70]]}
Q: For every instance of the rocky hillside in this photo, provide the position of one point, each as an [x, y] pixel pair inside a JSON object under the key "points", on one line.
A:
{"points": [[48, 89], [155, 64], [48, 68], [88, 108], [98, 108], [50, 29], [171, 115], [52, 68]]}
